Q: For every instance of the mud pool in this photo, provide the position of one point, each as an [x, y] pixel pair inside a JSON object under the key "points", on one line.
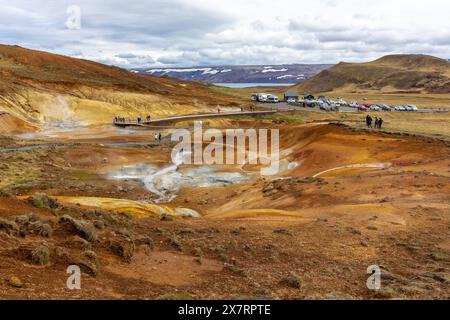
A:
{"points": [[167, 181]]}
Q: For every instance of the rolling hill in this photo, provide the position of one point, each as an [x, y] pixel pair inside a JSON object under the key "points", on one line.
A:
{"points": [[393, 73], [41, 87], [38, 69]]}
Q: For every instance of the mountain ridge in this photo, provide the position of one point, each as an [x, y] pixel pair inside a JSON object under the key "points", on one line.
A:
{"points": [[410, 73], [269, 73]]}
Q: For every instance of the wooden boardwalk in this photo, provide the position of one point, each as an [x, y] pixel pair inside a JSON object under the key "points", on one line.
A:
{"points": [[165, 121]]}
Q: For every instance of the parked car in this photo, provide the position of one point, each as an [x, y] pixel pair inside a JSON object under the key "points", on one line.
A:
{"points": [[408, 108], [272, 99], [291, 100], [354, 104], [414, 108], [385, 107], [362, 107], [324, 106], [401, 108], [311, 103], [375, 108], [342, 102]]}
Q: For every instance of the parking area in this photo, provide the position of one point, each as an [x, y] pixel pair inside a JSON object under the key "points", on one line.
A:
{"points": [[284, 106]]}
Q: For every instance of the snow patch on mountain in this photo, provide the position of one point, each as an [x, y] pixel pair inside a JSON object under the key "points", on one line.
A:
{"points": [[275, 70], [285, 76], [168, 70]]}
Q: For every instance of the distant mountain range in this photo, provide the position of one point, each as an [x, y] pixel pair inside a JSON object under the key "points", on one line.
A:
{"points": [[289, 73]]}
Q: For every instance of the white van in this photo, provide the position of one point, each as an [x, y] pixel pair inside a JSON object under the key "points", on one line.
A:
{"points": [[272, 99]]}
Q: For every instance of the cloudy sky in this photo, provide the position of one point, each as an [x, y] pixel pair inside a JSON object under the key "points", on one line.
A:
{"points": [[167, 33]]}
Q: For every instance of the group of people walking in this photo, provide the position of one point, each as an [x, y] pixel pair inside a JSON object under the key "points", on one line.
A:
{"points": [[158, 136], [138, 119], [119, 119], [378, 122]]}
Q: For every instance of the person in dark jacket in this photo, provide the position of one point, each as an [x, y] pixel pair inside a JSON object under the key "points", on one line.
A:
{"points": [[380, 123], [369, 121]]}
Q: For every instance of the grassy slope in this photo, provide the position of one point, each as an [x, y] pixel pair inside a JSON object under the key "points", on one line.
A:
{"points": [[433, 124]]}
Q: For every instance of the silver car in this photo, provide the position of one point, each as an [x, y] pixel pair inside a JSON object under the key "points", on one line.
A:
{"points": [[354, 104], [291, 100], [324, 106], [375, 108]]}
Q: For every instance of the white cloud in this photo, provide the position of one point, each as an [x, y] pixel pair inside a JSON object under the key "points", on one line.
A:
{"points": [[176, 33]]}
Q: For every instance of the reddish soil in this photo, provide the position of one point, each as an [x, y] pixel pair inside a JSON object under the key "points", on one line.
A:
{"points": [[324, 232]]}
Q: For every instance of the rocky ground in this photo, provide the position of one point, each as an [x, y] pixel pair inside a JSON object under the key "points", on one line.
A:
{"points": [[294, 236]]}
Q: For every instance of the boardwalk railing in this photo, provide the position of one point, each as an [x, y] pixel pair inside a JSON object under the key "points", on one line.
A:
{"points": [[129, 122]]}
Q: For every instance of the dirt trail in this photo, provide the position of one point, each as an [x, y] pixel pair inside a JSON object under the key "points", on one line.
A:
{"points": [[353, 166]]}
